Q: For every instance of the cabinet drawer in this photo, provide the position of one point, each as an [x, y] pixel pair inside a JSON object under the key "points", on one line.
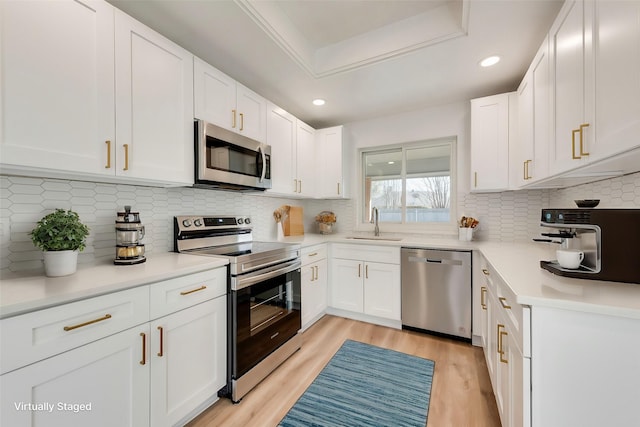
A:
{"points": [[35, 336], [182, 292], [516, 316], [313, 254], [383, 254]]}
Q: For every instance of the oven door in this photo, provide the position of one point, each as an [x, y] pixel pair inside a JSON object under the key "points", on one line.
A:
{"points": [[229, 159], [265, 315]]}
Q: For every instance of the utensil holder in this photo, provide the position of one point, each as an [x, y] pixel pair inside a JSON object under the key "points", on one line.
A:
{"points": [[465, 234]]}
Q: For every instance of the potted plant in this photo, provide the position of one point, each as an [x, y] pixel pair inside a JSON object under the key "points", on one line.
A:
{"points": [[61, 235]]}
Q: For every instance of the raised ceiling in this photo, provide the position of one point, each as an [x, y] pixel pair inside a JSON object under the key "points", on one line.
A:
{"points": [[366, 58]]}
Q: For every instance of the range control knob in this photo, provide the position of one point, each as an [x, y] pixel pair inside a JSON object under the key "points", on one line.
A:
{"points": [[240, 221], [197, 222], [247, 220], [186, 222]]}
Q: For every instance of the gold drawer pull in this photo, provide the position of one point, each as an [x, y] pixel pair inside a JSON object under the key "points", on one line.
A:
{"points": [[366, 271], [313, 254], [502, 301], [499, 338], [80, 325], [144, 348], [573, 144], [160, 330], [201, 288], [233, 119], [485, 271], [241, 121], [483, 292]]}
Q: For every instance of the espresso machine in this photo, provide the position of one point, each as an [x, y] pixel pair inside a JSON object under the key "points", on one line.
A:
{"points": [[609, 239], [129, 234]]}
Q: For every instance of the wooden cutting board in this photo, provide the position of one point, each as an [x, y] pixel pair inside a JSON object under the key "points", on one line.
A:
{"points": [[293, 224]]}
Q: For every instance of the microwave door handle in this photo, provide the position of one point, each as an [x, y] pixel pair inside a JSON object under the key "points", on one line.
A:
{"points": [[264, 164]]}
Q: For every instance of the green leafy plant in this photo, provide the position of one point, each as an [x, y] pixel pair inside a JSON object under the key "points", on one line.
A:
{"points": [[60, 231]]}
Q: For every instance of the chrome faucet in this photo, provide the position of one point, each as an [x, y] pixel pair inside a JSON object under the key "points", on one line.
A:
{"points": [[374, 220]]}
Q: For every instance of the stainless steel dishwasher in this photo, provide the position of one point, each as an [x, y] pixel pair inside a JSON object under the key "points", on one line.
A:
{"points": [[436, 291]]}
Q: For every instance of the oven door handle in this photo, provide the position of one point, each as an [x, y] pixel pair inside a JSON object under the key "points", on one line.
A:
{"points": [[242, 281], [264, 164]]}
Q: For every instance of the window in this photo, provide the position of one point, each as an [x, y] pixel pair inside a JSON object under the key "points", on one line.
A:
{"points": [[410, 184]]}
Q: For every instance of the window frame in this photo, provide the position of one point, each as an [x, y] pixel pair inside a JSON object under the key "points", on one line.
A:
{"points": [[447, 228]]}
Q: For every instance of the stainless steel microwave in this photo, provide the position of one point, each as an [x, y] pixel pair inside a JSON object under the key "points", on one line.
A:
{"points": [[229, 161]]}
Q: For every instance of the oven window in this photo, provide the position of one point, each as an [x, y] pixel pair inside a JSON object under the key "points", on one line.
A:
{"points": [[267, 314], [231, 158]]}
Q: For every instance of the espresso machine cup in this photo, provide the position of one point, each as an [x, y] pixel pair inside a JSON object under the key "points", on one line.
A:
{"points": [[129, 234]]}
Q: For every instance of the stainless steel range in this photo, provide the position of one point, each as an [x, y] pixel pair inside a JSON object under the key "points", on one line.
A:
{"points": [[264, 295]]}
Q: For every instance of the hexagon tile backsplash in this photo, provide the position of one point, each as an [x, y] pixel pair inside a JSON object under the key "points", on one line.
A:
{"points": [[507, 216]]}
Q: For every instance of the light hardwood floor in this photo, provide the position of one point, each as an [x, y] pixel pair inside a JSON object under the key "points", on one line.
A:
{"points": [[461, 394]]}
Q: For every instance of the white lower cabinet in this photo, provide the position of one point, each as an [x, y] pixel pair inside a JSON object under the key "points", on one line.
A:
{"points": [[106, 361], [188, 360], [363, 287], [507, 350], [314, 280], [104, 383]]}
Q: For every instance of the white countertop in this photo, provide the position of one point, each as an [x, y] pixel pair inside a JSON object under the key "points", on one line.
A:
{"points": [[518, 264], [21, 293]]}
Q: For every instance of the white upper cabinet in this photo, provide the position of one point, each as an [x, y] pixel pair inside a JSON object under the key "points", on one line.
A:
{"points": [[292, 154], [305, 160], [490, 134], [532, 159], [281, 135], [616, 75], [221, 100], [570, 43], [57, 85], [330, 163], [90, 93], [154, 105]]}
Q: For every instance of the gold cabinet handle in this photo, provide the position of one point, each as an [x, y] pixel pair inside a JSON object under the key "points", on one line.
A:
{"points": [[475, 179], [295, 185], [108, 165], [126, 157], [201, 288], [582, 152], [144, 348], [313, 254], [316, 267], [526, 169], [313, 274], [499, 338], [233, 119], [366, 271], [90, 322], [241, 121], [502, 358], [338, 189], [485, 271], [504, 305], [483, 292], [573, 144], [300, 184], [161, 331], [359, 266]]}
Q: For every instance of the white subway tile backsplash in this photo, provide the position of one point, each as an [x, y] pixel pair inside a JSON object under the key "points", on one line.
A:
{"points": [[507, 216]]}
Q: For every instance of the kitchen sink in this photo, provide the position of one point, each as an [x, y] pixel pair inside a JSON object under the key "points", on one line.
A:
{"points": [[388, 239]]}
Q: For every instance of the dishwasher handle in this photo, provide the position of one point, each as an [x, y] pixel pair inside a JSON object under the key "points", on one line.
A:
{"points": [[435, 261]]}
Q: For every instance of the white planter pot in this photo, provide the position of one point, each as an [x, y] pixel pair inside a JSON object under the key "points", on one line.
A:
{"points": [[60, 263]]}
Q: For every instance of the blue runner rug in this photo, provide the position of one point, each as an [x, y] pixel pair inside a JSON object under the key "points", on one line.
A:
{"points": [[366, 386]]}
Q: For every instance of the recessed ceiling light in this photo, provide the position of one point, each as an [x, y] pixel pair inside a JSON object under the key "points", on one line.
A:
{"points": [[390, 163], [489, 61], [318, 101]]}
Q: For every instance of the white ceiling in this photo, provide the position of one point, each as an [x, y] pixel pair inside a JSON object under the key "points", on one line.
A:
{"points": [[366, 58]]}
